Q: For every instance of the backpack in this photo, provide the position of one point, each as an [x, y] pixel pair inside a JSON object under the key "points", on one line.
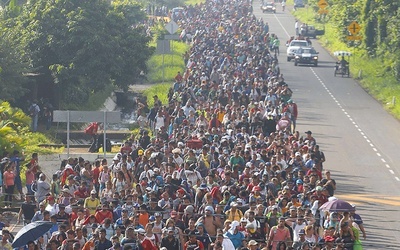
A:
{"points": [[34, 186], [89, 129]]}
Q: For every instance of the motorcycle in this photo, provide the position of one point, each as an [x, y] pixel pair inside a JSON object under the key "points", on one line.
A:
{"points": [[342, 67]]}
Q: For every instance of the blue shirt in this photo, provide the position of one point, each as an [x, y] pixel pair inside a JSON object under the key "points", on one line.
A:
{"points": [[17, 166], [235, 238]]}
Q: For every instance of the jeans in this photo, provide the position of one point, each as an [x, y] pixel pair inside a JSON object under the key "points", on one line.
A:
{"points": [[35, 119], [9, 194]]}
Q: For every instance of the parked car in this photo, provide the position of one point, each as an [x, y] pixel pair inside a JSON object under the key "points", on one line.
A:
{"points": [[311, 31], [268, 7], [306, 56], [298, 4], [177, 12], [293, 46]]}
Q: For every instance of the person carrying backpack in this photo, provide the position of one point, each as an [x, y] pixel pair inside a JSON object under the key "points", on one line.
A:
{"points": [[34, 111], [92, 131]]}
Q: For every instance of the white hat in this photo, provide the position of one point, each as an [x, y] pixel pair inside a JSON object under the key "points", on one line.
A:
{"points": [[140, 231], [93, 192]]}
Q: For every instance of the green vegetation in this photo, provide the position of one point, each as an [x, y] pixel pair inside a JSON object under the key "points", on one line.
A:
{"points": [[172, 64], [194, 2], [161, 90], [15, 132], [74, 48], [376, 58]]}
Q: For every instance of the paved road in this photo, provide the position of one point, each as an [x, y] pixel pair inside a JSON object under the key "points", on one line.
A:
{"points": [[359, 138]]}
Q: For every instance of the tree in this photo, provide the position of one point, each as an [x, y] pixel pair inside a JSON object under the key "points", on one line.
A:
{"points": [[81, 46], [13, 83]]}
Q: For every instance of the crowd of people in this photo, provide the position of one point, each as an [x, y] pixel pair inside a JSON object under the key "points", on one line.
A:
{"points": [[220, 166]]}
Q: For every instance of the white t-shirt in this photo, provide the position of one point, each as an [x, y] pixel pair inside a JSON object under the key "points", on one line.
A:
{"points": [[296, 229], [160, 122]]}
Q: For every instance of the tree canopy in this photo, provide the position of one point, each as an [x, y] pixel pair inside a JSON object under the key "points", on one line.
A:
{"points": [[80, 46]]}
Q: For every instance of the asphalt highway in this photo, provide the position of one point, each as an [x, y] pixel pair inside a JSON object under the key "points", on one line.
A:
{"points": [[360, 139]]}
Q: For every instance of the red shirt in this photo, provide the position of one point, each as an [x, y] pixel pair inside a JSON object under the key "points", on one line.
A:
{"points": [[198, 245], [310, 172], [81, 193], [148, 245], [34, 164], [96, 174], [101, 215], [9, 178], [126, 150]]}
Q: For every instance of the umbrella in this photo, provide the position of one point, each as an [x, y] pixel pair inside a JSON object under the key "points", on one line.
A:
{"points": [[31, 232], [337, 206], [342, 53]]}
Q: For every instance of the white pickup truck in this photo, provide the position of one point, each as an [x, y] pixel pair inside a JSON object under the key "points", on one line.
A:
{"points": [[294, 46]]}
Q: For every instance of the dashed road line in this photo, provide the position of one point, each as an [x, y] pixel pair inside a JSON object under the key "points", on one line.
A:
{"points": [[351, 120]]}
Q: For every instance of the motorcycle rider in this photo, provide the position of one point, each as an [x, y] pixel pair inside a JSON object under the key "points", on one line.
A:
{"points": [[342, 64]]}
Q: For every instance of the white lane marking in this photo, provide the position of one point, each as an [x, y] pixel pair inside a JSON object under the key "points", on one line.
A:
{"points": [[348, 116], [284, 29]]}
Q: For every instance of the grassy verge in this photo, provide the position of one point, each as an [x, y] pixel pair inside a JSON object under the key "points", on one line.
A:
{"points": [[163, 68], [161, 90], [163, 74], [194, 2], [372, 73]]}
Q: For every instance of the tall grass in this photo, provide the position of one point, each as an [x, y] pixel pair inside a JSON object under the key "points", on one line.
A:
{"points": [[194, 2], [161, 90], [373, 73], [169, 68]]}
